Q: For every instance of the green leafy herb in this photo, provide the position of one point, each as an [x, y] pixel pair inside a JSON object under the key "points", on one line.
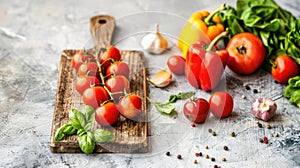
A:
{"points": [[166, 108], [80, 123], [180, 95], [103, 136], [292, 91]]}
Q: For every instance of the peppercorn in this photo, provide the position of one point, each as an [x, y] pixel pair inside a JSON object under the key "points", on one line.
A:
{"points": [[259, 125], [261, 140], [232, 134], [224, 159], [168, 153], [247, 87], [216, 166], [213, 159], [266, 140], [209, 130], [179, 157], [258, 91], [206, 147], [276, 134], [268, 126], [195, 161], [243, 97], [257, 122], [213, 133], [200, 153], [207, 156], [255, 91], [197, 154], [225, 148]]}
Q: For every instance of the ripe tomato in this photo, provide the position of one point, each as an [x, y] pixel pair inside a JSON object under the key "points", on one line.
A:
{"points": [[111, 53], [117, 85], [77, 60], [89, 69], [176, 64], [94, 96], [196, 110], [84, 82], [221, 104], [246, 53], [284, 69], [130, 106], [107, 114], [118, 68]]}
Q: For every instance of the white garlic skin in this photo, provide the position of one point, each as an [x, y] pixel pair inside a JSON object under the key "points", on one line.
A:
{"points": [[264, 108], [154, 42]]}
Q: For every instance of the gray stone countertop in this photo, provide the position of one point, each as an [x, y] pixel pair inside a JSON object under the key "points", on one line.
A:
{"points": [[33, 34]]}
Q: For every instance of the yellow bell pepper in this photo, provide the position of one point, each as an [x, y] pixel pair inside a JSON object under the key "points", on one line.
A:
{"points": [[201, 26]]}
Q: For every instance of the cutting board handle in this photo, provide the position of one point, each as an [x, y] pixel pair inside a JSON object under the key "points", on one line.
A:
{"points": [[102, 29]]}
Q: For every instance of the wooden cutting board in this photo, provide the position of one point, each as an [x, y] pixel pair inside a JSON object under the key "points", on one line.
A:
{"points": [[131, 136]]}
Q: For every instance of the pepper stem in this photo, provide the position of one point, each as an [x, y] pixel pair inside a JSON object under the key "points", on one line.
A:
{"points": [[216, 39], [210, 16]]}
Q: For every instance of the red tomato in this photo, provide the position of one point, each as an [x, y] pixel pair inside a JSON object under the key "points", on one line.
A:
{"points": [[130, 106], [176, 64], [77, 60], [107, 114], [94, 96], [117, 85], [84, 82], [111, 53], [196, 111], [221, 104], [284, 69], [118, 68], [246, 53], [89, 69]]}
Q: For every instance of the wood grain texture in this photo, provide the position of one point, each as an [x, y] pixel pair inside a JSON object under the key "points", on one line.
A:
{"points": [[131, 136]]}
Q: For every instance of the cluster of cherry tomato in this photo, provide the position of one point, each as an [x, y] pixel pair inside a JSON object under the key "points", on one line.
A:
{"points": [[103, 82]]}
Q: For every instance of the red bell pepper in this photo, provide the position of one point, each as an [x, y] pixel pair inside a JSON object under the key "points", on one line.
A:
{"points": [[205, 65]]}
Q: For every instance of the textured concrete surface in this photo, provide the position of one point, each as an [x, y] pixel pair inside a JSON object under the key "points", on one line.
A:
{"points": [[32, 35]]}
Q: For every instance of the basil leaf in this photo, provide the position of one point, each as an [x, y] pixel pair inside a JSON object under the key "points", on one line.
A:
{"points": [[86, 142], [77, 119], [87, 127], [165, 108], [292, 91], [180, 95], [103, 136], [89, 114], [66, 129], [172, 98]]}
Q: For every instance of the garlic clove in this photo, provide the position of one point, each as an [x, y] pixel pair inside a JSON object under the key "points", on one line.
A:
{"points": [[162, 79], [154, 42], [264, 108]]}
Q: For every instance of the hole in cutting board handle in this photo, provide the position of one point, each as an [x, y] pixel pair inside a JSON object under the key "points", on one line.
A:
{"points": [[102, 21]]}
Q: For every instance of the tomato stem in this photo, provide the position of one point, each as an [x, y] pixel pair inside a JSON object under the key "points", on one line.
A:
{"points": [[241, 49], [210, 16], [216, 39]]}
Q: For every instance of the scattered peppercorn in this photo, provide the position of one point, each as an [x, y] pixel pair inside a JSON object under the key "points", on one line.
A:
{"points": [[268, 126], [258, 91], [213, 159], [206, 147], [200, 153], [179, 157], [257, 122], [216, 166], [243, 97], [209, 130], [195, 161], [224, 159], [207, 156], [232, 134], [168, 153], [197, 154], [259, 125], [266, 140], [213, 133], [255, 91], [193, 125], [276, 134], [261, 140], [225, 148], [247, 87]]}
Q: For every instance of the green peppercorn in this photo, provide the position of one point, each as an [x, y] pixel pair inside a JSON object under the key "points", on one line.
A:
{"points": [[224, 159], [207, 156], [195, 161]]}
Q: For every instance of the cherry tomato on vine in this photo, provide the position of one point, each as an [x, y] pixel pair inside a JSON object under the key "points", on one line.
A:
{"points": [[89, 69], [107, 114], [246, 53], [77, 60], [117, 85], [84, 82], [221, 104], [176, 64], [118, 68], [196, 110], [130, 106], [94, 96], [284, 69], [111, 53]]}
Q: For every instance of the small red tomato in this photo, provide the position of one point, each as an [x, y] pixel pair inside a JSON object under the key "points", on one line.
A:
{"points": [[176, 64], [117, 85], [89, 69], [221, 104], [224, 56], [107, 114], [130, 106], [118, 68], [84, 82], [94, 96], [196, 110], [284, 69], [77, 60], [111, 53]]}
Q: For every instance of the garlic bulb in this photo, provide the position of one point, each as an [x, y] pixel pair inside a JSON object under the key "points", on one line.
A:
{"points": [[264, 108], [162, 79], [154, 42]]}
